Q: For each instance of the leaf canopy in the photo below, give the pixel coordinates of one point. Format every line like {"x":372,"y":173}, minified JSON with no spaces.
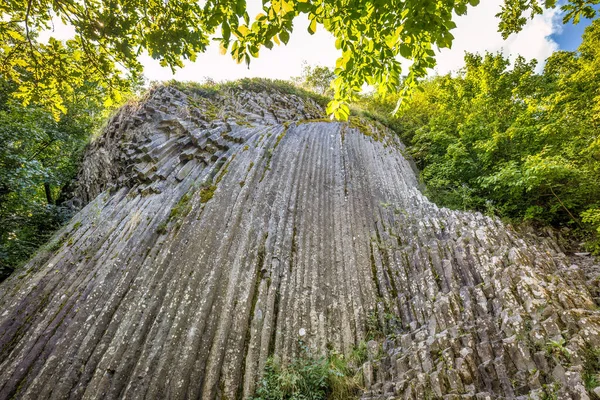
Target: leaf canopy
{"x":110,"y":35}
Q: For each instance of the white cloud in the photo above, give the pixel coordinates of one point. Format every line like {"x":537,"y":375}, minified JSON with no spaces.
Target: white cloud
{"x":477,"y":32}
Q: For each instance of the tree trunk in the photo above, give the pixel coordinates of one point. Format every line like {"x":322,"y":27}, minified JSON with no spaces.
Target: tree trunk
{"x":48,"y":192}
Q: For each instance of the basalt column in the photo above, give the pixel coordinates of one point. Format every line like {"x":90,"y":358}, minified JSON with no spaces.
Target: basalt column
{"x":216,"y":225}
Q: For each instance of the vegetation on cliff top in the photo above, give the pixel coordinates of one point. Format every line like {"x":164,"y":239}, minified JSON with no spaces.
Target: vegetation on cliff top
{"x":210,"y":88}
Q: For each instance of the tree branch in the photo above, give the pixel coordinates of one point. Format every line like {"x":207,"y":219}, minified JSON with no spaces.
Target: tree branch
{"x":31,"y":47}
{"x":565,"y":207}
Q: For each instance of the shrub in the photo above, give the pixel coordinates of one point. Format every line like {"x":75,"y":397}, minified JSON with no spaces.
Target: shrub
{"x":309,"y":377}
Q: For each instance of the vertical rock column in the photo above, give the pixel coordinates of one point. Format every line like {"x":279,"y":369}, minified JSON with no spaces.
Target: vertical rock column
{"x":217,"y":225}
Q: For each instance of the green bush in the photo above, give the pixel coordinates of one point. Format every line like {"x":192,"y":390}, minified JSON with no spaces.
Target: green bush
{"x":310,"y":377}
{"x":592,"y":217}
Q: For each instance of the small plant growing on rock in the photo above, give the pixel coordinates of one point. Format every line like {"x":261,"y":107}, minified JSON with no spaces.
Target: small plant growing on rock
{"x":207,"y":193}
{"x":359,"y":354}
{"x":374,"y":328}
{"x":161,"y":229}
{"x":180,"y":208}
{"x":557,"y":348}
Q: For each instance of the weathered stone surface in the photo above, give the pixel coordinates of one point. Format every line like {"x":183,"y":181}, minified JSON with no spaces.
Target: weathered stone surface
{"x":218,"y":227}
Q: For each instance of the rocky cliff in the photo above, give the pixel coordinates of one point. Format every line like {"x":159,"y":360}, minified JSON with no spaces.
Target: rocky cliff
{"x":218,"y":224}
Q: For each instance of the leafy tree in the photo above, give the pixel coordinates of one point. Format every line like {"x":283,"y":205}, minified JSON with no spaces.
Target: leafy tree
{"x":110,"y":35}
{"x":38,"y":159}
{"x":50,"y":74}
{"x":503,"y":139}
{"x":315,"y":78}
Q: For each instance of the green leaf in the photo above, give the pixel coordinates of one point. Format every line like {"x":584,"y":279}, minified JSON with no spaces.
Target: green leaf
{"x":225,"y":31}
{"x":240,"y":7}
{"x":287,"y":6}
{"x":342,"y":112}
{"x":461,"y":9}
{"x":284,"y":36}
{"x":243,"y":31}
{"x":331,"y":107}
{"x":312,"y":27}
{"x":15,"y":35}
{"x":405,"y":51}
{"x":222,"y":48}
{"x":304,"y":7}
{"x":338,"y":43}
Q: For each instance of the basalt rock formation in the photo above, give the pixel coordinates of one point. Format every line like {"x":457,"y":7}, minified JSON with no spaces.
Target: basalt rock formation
{"x":217,"y":225}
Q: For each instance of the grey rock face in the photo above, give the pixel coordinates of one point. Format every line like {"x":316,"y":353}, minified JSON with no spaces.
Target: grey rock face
{"x":217,"y":228}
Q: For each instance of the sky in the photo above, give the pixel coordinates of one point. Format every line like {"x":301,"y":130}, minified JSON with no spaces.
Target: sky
{"x":569,"y":38}
{"x":476,"y":32}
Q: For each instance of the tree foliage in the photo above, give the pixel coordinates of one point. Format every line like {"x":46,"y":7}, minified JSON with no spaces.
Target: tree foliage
{"x":505,"y":140}
{"x":39,"y":157}
{"x":316,"y":79}
{"x":111,"y":34}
